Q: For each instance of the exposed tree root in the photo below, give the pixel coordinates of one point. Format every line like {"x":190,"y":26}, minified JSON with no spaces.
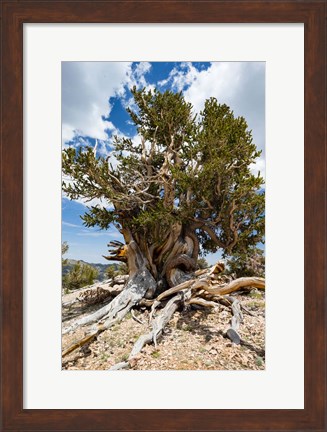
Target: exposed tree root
{"x":203,"y":302}
{"x":135,"y":318}
{"x":73,"y":312}
{"x":193,"y":283}
{"x":115,"y":311}
{"x":203,"y":289}
{"x":204,"y":283}
{"x":86,"y":340}
{"x":238,"y":284}
{"x":237,"y":319}
{"x":158,"y":325}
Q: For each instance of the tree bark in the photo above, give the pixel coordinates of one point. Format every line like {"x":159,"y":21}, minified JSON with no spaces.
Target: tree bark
{"x":158,"y":324}
{"x":139,"y":284}
{"x":157,"y":272}
{"x":237,"y":284}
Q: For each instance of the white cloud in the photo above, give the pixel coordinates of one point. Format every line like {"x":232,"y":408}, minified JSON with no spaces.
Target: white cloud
{"x":93,"y":234}
{"x":71,"y":225}
{"x":219,"y":80}
{"x":67,"y":133}
{"x":136,"y":75}
{"x":104,"y":148}
{"x":182,"y":76}
{"x":141,"y":69}
{"x":86,"y":89}
{"x":95,"y":202}
{"x":240,"y":85}
{"x":112,"y":232}
{"x":259,"y":166}
{"x":114,"y":235}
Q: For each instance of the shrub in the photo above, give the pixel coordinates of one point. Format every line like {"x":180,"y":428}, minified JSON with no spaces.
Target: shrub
{"x":79,"y":276}
{"x":251,"y":263}
{"x":111,"y":271}
{"x":202,"y":263}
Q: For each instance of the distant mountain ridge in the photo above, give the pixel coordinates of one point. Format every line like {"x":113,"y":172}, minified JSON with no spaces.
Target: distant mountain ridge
{"x":101,"y":268}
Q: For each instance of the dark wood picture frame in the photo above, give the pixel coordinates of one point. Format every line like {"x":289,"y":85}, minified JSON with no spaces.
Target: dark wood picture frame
{"x":14,"y":15}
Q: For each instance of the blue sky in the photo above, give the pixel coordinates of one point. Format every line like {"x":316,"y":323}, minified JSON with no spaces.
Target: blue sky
{"x":94,"y":100}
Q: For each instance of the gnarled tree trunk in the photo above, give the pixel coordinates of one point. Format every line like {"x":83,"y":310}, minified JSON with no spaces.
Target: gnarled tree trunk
{"x":170,"y":261}
{"x":157,"y":271}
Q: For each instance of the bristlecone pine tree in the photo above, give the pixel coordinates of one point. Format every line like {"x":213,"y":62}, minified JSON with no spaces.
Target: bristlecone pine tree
{"x":186,"y":185}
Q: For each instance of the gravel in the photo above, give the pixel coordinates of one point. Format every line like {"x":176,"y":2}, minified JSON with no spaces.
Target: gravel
{"x":193,"y":340}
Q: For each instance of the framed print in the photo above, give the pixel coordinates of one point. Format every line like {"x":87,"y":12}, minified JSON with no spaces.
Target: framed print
{"x":160,"y":221}
{"x":58,"y":60}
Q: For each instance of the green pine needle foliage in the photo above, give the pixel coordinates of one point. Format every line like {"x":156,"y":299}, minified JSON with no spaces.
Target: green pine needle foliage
{"x":185,"y":168}
{"x":79,"y":276}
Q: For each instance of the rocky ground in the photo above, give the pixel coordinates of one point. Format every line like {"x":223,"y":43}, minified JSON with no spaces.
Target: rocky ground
{"x":193,"y":340}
